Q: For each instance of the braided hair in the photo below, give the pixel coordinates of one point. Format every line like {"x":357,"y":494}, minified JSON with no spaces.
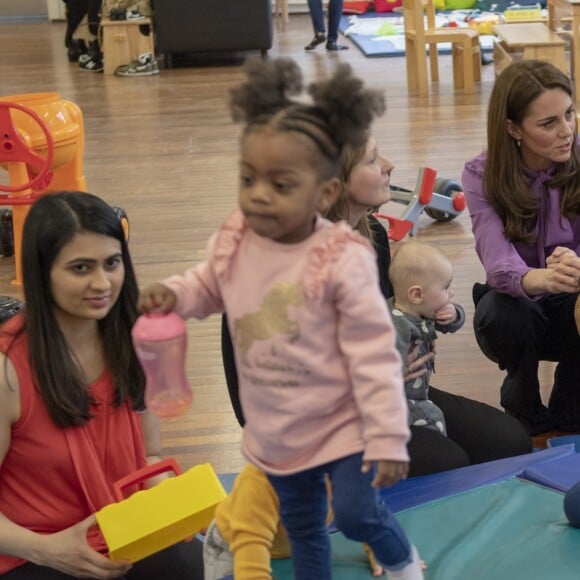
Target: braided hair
{"x":340,"y":112}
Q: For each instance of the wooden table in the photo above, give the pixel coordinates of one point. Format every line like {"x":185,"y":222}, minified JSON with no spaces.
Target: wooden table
{"x":123,"y":41}
{"x":531,"y":41}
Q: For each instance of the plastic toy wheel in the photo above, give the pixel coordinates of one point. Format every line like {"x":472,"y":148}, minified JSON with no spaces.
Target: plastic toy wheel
{"x":446,"y":187}
{"x":6,"y":233}
{"x":13,"y":148}
{"x":124,"y":219}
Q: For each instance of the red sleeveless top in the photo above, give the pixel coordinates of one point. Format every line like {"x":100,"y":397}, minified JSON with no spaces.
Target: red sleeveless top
{"x":53,"y":477}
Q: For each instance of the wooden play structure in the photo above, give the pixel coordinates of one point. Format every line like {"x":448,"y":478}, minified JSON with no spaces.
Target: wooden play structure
{"x":41,"y":148}
{"x":124,"y":40}
{"x":420,"y":31}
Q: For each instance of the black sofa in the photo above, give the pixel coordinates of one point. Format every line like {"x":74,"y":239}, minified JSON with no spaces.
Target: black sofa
{"x":186,"y":26}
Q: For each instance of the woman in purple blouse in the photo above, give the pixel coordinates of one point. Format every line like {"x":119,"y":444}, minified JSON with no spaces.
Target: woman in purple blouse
{"x":523,"y":196}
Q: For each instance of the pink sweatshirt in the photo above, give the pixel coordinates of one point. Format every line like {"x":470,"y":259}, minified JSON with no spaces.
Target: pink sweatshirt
{"x":320,"y":377}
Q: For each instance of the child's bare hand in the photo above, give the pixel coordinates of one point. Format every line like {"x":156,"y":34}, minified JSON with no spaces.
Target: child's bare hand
{"x":157,"y":298}
{"x":388,"y":472}
{"x":446,"y":315}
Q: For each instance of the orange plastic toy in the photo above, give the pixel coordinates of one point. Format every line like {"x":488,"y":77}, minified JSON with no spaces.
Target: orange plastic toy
{"x":42,"y":148}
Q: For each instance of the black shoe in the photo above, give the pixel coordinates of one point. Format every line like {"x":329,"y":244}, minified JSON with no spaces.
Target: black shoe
{"x":486,"y":59}
{"x":75,"y":48}
{"x":333,"y":45}
{"x":319,"y":38}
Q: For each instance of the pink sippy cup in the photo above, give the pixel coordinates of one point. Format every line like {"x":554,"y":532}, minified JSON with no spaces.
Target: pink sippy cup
{"x":160,"y":343}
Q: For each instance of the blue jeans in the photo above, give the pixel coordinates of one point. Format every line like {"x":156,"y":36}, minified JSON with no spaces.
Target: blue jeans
{"x":360,"y":514}
{"x":334,"y":14}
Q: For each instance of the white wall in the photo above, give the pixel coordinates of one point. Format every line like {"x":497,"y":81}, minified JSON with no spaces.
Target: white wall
{"x":23,"y":7}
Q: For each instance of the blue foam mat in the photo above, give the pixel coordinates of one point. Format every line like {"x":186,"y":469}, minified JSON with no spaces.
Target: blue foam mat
{"x":372,"y":45}
{"x":561,"y":473}
{"x":427,"y":488}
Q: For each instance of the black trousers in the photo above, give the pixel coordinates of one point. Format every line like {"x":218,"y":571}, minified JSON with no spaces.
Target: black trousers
{"x":517,"y":334}
{"x":183,"y":561}
{"x":75,"y":12}
{"x":476,"y":433}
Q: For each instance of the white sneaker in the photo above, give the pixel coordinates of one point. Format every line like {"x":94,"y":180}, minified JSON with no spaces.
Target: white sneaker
{"x":218,"y":561}
{"x":144,"y":65}
{"x":412,"y":571}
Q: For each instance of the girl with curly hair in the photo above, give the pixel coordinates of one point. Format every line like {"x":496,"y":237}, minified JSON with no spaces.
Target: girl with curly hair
{"x":320,"y":377}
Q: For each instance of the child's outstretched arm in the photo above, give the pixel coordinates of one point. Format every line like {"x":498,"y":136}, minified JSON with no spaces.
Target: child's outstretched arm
{"x":156,"y":298}
{"x":195,"y":294}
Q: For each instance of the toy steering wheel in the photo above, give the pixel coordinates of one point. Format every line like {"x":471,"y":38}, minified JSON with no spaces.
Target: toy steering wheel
{"x":13,"y":148}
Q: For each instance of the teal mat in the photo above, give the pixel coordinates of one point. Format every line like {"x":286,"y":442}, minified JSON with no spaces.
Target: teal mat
{"x":349,"y":560}
{"x":513,"y":530}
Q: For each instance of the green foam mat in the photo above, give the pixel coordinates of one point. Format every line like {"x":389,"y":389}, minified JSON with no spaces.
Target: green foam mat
{"x":512,"y":530}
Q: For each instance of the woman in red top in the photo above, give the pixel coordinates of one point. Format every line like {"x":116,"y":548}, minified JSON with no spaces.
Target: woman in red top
{"x":72,"y":415}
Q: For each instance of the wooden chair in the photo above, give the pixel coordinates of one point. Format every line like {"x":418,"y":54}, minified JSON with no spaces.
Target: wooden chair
{"x":465,"y":49}
{"x":281,"y":12}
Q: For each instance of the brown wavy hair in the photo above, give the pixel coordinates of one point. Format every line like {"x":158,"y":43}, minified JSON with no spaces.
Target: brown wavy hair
{"x":505,"y":185}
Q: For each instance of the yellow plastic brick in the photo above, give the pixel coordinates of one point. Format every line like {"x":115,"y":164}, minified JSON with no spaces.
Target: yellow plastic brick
{"x":155,"y":518}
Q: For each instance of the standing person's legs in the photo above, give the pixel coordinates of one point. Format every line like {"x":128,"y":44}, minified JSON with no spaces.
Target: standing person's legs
{"x":483,"y":432}
{"x":317,"y":17}
{"x":303,"y":509}
{"x":511,"y":332}
{"x":76,"y":10}
{"x":361,"y":515}
{"x":334,"y":14}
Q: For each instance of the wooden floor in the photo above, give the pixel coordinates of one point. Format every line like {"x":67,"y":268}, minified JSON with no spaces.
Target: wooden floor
{"x":164,"y":149}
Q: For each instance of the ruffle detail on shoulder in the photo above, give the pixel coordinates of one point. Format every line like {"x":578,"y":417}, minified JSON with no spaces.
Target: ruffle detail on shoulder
{"x":227,"y":243}
{"x":477,"y":164}
{"x":322,"y":256}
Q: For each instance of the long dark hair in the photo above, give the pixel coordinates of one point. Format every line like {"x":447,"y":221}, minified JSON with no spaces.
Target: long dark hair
{"x":516,"y":88}
{"x":52,"y":222}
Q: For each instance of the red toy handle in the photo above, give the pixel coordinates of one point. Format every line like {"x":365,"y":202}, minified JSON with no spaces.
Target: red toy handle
{"x":144,"y":474}
{"x":428,"y":176}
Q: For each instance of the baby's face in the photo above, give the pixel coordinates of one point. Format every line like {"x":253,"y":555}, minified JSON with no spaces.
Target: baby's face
{"x":437,"y":288}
